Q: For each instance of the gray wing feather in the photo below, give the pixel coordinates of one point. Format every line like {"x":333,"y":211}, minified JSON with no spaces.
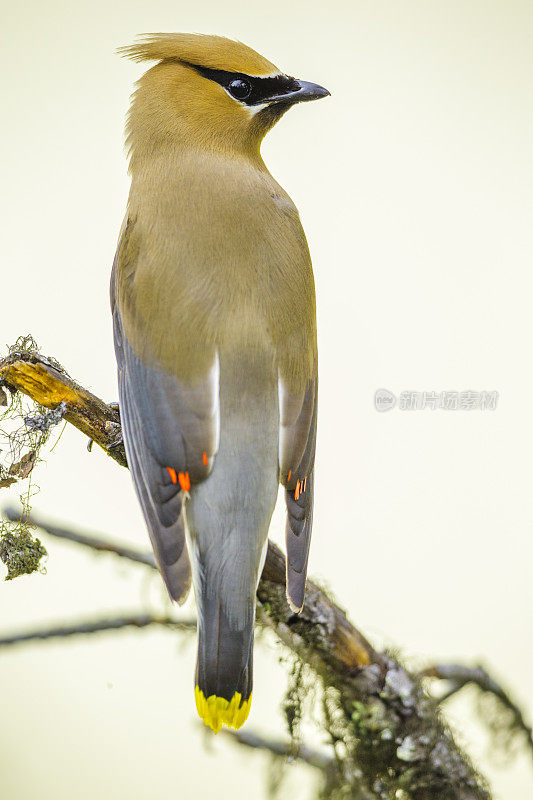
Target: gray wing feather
{"x":160,"y":502}
{"x":298,"y":539}
{"x":165,"y":425}
{"x":180,"y":422}
{"x":298,"y":418}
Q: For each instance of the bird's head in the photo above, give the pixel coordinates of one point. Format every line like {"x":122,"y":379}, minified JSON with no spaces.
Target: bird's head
{"x":207,"y":92}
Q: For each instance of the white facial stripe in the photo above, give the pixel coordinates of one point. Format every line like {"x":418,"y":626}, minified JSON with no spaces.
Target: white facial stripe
{"x":253,"y":110}
{"x":266,"y":75}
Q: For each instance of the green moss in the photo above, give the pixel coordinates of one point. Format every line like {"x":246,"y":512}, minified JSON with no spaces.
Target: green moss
{"x":21,"y":553}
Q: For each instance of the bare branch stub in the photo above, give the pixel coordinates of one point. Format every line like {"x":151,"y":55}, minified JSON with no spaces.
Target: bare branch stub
{"x":44,"y":381}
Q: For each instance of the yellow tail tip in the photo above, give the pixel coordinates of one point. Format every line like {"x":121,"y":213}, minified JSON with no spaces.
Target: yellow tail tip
{"x":217,"y":711}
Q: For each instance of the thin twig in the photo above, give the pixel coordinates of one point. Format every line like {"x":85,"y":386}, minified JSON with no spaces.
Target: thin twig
{"x":460,"y":676}
{"x":290,"y":750}
{"x":96,"y":626}
{"x":91,"y":541}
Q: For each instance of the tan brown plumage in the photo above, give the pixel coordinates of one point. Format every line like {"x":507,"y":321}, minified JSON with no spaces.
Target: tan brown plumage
{"x":214,"y":314}
{"x":194,"y":48}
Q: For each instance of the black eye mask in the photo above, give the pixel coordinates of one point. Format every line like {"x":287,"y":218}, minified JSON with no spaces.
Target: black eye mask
{"x":250,"y":90}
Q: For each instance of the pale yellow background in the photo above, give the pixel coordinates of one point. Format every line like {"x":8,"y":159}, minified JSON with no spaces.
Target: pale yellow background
{"x":414,"y":182}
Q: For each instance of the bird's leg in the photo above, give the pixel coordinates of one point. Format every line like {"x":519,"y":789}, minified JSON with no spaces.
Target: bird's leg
{"x":113,"y":429}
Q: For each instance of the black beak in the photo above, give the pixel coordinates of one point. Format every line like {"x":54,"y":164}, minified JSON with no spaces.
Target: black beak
{"x":306,"y":91}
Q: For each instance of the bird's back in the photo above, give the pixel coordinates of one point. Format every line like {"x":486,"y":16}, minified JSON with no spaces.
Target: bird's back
{"x":219,"y":256}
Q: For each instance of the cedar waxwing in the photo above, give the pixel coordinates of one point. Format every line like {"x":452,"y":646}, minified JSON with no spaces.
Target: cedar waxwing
{"x":215,"y":337}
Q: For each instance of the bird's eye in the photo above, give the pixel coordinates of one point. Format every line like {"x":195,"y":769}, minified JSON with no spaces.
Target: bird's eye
{"x":240,"y":89}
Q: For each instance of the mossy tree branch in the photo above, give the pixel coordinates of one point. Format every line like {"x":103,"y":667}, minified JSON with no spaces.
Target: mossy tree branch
{"x":388,"y":735}
{"x":45,"y":381}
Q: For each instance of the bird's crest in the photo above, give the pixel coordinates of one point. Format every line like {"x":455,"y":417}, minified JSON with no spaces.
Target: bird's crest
{"x":214,"y":52}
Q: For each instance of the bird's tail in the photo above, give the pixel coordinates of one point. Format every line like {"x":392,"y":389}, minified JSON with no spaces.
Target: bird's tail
{"x":224,"y":666}
{"x":228,"y":517}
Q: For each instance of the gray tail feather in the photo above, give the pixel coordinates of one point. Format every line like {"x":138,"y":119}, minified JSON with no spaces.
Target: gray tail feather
{"x":225,"y":655}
